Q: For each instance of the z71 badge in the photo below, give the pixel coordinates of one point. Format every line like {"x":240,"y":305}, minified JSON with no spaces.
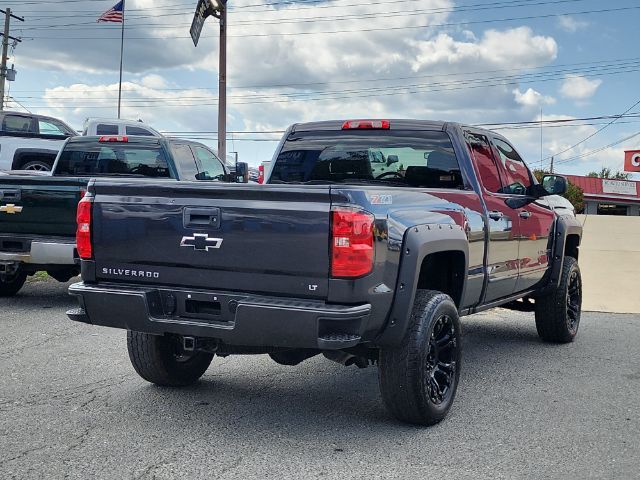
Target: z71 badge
{"x":381,"y":199}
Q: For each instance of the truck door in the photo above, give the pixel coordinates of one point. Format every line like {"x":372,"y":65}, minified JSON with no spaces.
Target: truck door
{"x":502,"y":221}
{"x":535,"y":218}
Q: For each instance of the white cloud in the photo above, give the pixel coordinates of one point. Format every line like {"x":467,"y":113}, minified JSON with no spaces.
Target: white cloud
{"x":532,"y":98}
{"x":515,"y":47}
{"x":571,"y":24}
{"x":578,"y":87}
{"x":160,"y":108}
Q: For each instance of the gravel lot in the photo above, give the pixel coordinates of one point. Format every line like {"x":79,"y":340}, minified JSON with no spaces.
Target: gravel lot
{"x":71,"y":406}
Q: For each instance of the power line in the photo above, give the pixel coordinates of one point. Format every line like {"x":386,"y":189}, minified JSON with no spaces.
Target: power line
{"x":348,"y":94}
{"x":615,"y":119}
{"x":379,"y":29}
{"x":588,"y":65}
{"x":324,"y":18}
{"x":598,"y":150}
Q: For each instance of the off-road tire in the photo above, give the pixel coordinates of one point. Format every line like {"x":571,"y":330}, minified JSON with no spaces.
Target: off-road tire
{"x":558,"y":313}
{"x":155,"y":359}
{"x":10,"y":286}
{"x":405,"y":370}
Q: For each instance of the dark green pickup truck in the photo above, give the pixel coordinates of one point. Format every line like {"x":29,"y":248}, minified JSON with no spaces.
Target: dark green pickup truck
{"x":38,"y":210}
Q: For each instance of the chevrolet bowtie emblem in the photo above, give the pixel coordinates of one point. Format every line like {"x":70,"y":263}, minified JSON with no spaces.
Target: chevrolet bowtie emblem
{"x":10,"y":208}
{"x":201,"y":241}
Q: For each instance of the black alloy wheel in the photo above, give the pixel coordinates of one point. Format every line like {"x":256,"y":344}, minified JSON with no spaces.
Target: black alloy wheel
{"x":574,"y":300}
{"x":440,"y":368}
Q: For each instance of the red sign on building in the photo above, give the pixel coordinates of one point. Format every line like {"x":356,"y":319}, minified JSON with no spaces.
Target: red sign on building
{"x":632,"y":161}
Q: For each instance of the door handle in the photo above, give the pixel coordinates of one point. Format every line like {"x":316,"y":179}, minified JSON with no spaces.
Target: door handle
{"x":524,"y":214}
{"x":496,"y":215}
{"x":201,"y":217}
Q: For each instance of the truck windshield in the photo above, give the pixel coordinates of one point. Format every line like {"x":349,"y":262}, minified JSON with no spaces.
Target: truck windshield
{"x":91,"y":159}
{"x":401,"y":158}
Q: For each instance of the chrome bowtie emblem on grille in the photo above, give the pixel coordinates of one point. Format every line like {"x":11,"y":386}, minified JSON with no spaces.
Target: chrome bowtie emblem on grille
{"x":201,"y":241}
{"x":10,"y":208}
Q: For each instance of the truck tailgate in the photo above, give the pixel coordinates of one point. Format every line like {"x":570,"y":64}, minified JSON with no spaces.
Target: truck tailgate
{"x":259,"y":239}
{"x":39,"y":205}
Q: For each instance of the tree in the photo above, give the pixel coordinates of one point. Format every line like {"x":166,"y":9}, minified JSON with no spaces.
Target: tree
{"x":574,"y":193}
{"x":605,"y":172}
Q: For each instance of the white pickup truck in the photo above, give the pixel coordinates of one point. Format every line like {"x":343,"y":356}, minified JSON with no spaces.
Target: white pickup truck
{"x":30,"y":142}
{"x":111,"y":126}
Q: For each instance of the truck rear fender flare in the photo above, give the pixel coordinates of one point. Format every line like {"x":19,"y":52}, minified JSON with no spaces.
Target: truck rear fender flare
{"x":566,"y":241}
{"x":421,"y":241}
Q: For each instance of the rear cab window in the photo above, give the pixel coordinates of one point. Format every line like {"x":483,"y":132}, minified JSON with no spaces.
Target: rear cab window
{"x":408,"y":158}
{"x":113,"y":159}
{"x":106,"y":129}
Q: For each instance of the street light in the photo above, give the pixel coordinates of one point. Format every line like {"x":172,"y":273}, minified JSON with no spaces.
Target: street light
{"x":218,"y":9}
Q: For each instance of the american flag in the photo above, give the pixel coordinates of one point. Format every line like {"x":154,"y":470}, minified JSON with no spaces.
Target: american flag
{"x":114,"y":14}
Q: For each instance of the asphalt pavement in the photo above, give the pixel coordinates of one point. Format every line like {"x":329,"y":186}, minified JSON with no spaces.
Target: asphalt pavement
{"x":71,"y":406}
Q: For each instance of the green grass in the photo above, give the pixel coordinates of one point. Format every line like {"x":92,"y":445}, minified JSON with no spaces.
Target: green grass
{"x":39,"y":277}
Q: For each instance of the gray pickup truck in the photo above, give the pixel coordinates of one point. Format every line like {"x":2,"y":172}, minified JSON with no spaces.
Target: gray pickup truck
{"x":380,"y":235}
{"x":38,"y":211}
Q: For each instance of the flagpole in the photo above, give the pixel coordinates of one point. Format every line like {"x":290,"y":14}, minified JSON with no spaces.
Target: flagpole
{"x":121,"y":53}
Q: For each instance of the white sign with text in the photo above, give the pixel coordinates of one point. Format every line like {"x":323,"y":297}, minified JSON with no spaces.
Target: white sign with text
{"x":619,"y":187}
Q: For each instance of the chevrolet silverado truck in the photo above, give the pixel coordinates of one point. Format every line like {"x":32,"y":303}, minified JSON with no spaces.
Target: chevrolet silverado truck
{"x":38,"y":211}
{"x":364,"y":268}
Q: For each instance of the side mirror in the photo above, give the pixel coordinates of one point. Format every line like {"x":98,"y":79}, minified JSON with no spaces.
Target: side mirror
{"x":391,"y":159}
{"x":554,"y":184}
{"x":242,"y":172}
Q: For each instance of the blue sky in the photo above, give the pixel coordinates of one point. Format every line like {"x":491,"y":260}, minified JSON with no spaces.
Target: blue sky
{"x":459,"y":60}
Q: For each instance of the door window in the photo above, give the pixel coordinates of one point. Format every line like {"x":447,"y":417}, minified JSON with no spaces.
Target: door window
{"x":486,"y":165}
{"x":138,"y":131}
{"x":17,"y":124}
{"x":517,"y":176}
{"x":50,"y":128}
{"x":185,"y":162}
{"x":210,"y":167}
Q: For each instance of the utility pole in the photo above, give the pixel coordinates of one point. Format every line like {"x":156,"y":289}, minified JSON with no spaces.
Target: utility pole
{"x":218,"y":9}
{"x":551,"y":165}
{"x":222,"y":87}
{"x":5,"y":47}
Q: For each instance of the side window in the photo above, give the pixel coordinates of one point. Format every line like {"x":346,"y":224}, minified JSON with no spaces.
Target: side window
{"x":185,"y":162}
{"x":106,"y":129}
{"x":49,"y":128}
{"x":211,"y":167}
{"x":17,"y":124}
{"x":486,"y":165}
{"x":138,"y":131}
{"x":517,"y":176}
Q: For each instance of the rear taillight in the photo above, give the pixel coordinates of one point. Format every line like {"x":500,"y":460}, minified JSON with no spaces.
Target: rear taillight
{"x":366,"y":124}
{"x":83,"y":232}
{"x":261,"y":174}
{"x":351,"y":243}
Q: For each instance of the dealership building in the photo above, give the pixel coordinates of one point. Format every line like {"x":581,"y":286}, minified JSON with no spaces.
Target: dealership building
{"x":603,"y":196}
